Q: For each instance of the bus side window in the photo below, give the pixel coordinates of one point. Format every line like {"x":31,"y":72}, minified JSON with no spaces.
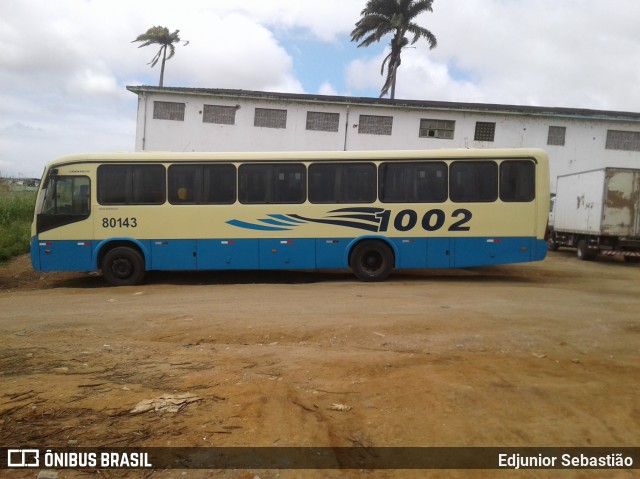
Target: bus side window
{"x":323,"y":183}
{"x":342,"y":183}
{"x":182,"y":184}
{"x":289,"y":184}
{"x":517,"y":181}
{"x":219,"y":184}
{"x":272,"y":183}
{"x":148,"y":184}
{"x":431,"y":182}
{"x":254,"y":182}
{"x":473,"y":181}
{"x":131,"y":184}
{"x":358,"y":183}
{"x":416,"y":182}
{"x":113,"y":184}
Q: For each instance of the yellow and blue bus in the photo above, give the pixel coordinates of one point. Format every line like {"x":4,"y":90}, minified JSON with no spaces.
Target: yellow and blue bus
{"x":370,"y":212}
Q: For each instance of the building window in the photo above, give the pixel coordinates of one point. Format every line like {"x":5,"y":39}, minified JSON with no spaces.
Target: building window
{"x":168,"y":110}
{"x":375,"y":125}
{"x":270,"y":118}
{"x":623,"y":140}
{"x":556,"y":135}
{"x":222,"y":115}
{"x":319,"y":121}
{"x":437,"y":129}
{"x":485,"y":131}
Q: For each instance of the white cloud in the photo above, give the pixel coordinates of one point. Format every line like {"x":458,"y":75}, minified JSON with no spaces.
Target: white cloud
{"x":327,"y":89}
{"x":238,"y":53}
{"x":574,"y":53}
{"x":325,"y":19}
{"x":66,"y":78}
{"x":365,"y":73}
{"x":419,"y":78}
{"x":578,"y":53}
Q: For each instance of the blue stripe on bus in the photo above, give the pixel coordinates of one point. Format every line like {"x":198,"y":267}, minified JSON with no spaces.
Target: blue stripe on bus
{"x":290,"y":253}
{"x":270,"y":221}
{"x":251,"y":226}
{"x":287,"y":219}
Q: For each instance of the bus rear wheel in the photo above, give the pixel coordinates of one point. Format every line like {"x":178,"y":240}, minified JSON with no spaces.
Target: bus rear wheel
{"x":123,"y":266}
{"x":371,"y":261}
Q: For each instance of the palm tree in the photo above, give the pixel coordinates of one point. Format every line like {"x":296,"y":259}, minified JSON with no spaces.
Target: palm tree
{"x":160,"y":36}
{"x":380,"y":17}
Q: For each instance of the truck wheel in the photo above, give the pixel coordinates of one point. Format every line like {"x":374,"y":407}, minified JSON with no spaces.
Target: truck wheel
{"x":552,"y":245}
{"x":584,"y":253}
{"x":371,"y":260}
{"x":123,"y":266}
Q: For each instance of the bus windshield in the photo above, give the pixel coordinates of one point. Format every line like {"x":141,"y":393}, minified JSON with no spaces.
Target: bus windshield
{"x":66,"y":200}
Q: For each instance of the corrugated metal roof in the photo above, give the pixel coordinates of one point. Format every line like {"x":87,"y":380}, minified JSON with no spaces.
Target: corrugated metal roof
{"x":398,"y":103}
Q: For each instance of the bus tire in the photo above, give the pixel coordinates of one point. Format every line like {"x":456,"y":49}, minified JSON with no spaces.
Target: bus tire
{"x":123,"y":266}
{"x":371,"y":260}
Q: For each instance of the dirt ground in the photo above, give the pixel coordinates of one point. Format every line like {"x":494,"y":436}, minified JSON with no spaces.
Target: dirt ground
{"x":541,"y":354}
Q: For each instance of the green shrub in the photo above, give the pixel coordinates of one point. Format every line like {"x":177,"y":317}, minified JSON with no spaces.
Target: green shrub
{"x":16,"y":214}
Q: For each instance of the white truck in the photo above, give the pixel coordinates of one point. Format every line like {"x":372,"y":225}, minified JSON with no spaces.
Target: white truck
{"x":597,"y":212}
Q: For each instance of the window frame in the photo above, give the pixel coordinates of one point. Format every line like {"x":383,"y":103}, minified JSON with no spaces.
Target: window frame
{"x":217,"y":114}
{"x":377,"y":125}
{"x":623,"y":140}
{"x":485,"y":131}
{"x":161,"y":114}
{"x":330,"y":123}
{"x":436,"y":127}
{"x":556,"y":135}
{"x":261,"y":120}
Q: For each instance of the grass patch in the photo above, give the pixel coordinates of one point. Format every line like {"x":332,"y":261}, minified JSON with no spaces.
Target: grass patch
{"x":16,"y":214}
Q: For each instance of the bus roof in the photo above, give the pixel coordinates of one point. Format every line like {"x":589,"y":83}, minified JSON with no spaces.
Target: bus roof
{"x":232,"y":156}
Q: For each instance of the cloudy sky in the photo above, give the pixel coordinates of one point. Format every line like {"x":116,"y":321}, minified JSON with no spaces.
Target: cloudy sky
{"x":64,"y":64}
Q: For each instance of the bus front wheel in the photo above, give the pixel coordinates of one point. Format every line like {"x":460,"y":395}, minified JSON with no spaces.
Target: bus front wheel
{"x":372,"y":260}
{"x":123,"y":266}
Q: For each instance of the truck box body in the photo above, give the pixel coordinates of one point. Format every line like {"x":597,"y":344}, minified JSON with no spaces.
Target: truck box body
{"x":603,"y":202}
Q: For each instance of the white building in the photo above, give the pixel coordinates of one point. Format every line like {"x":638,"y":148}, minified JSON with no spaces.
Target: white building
{"x":195,"y":119}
